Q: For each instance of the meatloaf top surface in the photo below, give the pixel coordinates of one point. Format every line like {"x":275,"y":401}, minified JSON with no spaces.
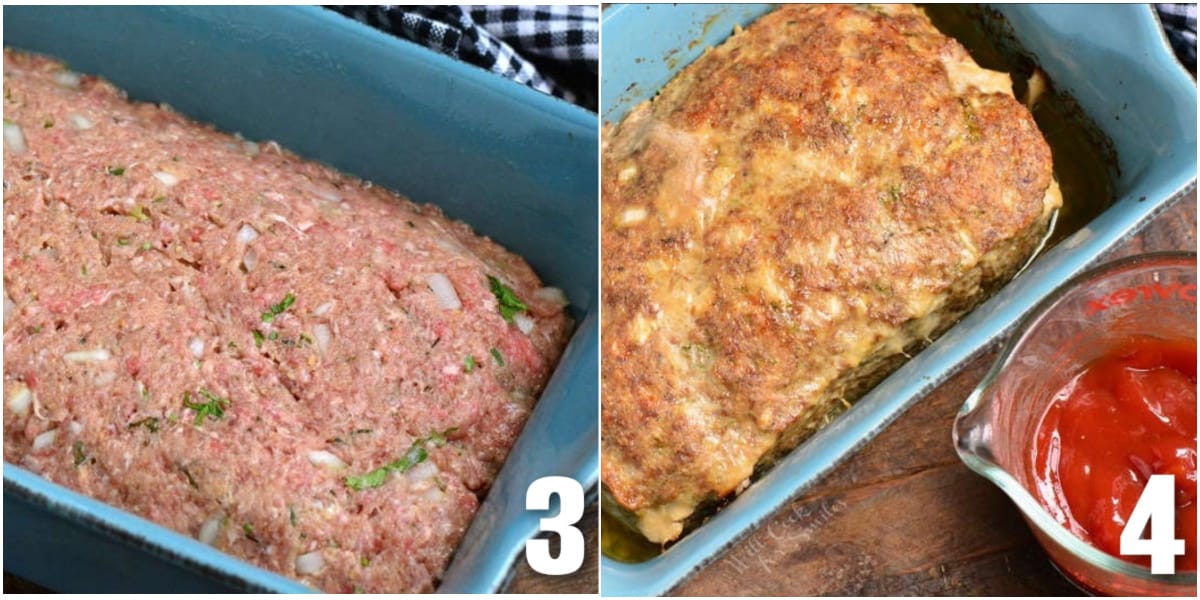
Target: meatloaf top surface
{"x":246,"y":347}
{"x":775,"y":215}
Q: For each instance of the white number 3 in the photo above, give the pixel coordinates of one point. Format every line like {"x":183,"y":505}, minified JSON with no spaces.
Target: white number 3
{"x":1156,"y":506}
{"x":570,"y":500}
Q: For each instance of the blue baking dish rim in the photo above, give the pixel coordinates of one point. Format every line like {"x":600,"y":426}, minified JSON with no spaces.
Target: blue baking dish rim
{"x":136,"y":531}
{"x":580,"y":382}
{"x":806,"y":465}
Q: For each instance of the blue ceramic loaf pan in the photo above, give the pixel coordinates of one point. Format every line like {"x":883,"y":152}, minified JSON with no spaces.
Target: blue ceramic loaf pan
{"x":517,"y":165}
{"x":1113,"y":59}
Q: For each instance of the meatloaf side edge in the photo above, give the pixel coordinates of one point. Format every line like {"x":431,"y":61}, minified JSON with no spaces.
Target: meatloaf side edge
{"x":298,"y":368}
{"x":803,"y":204}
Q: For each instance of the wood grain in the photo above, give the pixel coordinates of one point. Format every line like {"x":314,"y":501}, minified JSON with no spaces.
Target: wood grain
{"x":585,"y":581}
{"x":903,"y":516}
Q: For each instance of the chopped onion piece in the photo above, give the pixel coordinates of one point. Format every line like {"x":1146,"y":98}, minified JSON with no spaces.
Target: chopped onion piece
{"x":250,"y":260}
{"x":80,"y":122}
{"x":323,"y":336}
{"x":251,"y":148}
{"x":15,"y":138}
{"x":282,"y":219}
{"x":44,"y":440}
{"x":524,"y":322}
{"x":521,"y":398}
{"x":247,"y":234}
{"x":20,"y":398}
{"x":75,"y":427}
{"x":632,"y":215}
{"x":324,"y":458}
{"x":552,"y":294}
{"x":209,"y":530}
{"x":1035,"y":87}
{"x":68,"y":79}
{"x":9,"y":307}
{"x":443,"y":289}
{"x":307,"y":564}
{"x":423,"y":472}
{"x":83,"y":356}
{"x":322,"y":309}
{"x":329,"y":196}
{"x":105,"y":378}
{"x":166,"y":178}
{"x":196,"y":345}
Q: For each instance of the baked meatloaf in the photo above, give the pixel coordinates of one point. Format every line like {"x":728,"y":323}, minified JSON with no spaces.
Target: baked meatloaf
{"x":298,"y":368}
{"x":826,"y":189}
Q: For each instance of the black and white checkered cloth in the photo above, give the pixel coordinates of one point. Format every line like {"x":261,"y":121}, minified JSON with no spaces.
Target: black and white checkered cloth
{"x":552,"y":49}
{"x":1179,"y":20}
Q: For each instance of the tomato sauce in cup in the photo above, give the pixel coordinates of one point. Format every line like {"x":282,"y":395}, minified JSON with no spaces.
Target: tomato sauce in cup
{"x":1091,"y":399}
{"x":1126,"y":416}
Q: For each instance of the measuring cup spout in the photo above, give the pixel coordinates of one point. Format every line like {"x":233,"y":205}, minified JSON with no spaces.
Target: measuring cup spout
{"x":973,"y":428}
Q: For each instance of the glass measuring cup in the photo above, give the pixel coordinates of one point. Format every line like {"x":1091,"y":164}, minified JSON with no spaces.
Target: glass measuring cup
{"x":1150,"y":294}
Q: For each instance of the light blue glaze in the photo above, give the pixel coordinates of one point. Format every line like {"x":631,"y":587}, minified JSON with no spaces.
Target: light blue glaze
{"x":1113,"y":59}
{"x":517,"y":165}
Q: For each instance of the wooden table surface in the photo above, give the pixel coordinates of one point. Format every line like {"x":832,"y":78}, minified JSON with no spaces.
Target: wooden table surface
{"x":903,"y":516}
{"x":585,"y":581}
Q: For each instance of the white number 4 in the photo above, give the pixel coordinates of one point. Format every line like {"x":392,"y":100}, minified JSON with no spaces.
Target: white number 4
{"x":1156,"y":507}
{"x":570,"y":501}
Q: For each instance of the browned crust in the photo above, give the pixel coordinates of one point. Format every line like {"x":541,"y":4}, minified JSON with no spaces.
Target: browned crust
{"x":830,"y":153}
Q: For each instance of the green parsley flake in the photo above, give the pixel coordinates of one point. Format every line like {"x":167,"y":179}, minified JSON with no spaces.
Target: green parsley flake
{"x":123,"y":242}
{"x":438,"y":438}
{"x":258,"y":338}
{"x":248,"y":529}
{"x":146,"y":245}
{"x":510,"y":304}
{"x":150,"y":423}
{"x":188,"y":474}
{"x":469,"y":363}
{"x":277,"y":309}
{"x":48,"y":124}
{"x":80,"y":457}
{"x":416,"y":455}
{"x":139,"y":214}
{"x":499,"y":357}
{"x":365,"y":561}
{"x":116,"y":171}
{"x":214,"y":408}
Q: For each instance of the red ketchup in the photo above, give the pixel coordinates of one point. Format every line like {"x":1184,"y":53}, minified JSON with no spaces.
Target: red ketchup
{"x":1127,"y":416}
